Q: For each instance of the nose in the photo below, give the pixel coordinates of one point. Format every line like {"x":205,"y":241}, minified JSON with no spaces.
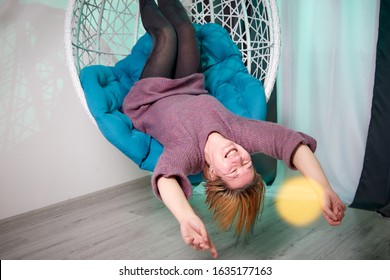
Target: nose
{"x":238,"y":160}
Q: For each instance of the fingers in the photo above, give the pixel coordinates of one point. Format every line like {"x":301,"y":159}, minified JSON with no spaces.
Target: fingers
{"x":331,"y":221}
{"x":210,"y":244}
{"x":336,"y":216}
{"x":340,"y":211}
{"x":328,"y":213}
{"x":202,"y":243}
{"x":195,"y":235}
{"x":205,"y":246}
{"x":213,"y":251}
{"x":333,"y":209}
{"x":197,"y":244}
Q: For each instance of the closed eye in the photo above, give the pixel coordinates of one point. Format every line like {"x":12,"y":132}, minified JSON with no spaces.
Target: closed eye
{"x":233,"y":171}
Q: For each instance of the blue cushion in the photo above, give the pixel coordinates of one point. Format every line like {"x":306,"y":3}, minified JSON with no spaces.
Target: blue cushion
{"x":226,"y":78}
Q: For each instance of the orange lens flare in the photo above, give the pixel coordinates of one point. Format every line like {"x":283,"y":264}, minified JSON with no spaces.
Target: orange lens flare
{"x":298,"y":201}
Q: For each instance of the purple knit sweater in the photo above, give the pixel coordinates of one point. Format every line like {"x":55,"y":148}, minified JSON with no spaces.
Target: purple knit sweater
{"x":180,"y":114}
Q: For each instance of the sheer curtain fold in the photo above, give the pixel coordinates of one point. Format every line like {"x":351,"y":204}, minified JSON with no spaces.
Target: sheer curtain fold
{"x":325,"y":81}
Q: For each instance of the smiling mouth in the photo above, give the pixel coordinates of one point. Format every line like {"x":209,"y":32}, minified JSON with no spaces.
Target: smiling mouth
{"x":231,"y":152}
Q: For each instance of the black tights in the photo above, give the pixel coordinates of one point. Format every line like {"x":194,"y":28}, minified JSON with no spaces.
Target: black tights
{"x":175,"y":52}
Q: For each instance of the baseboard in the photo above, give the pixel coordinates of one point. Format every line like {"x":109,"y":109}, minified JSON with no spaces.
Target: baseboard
{"x":50,"y":210}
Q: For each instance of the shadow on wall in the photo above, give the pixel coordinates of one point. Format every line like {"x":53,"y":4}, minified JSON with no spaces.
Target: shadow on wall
{"x":31,"y":71}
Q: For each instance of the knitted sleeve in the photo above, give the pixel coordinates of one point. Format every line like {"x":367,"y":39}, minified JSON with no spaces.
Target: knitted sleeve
{"x":173,"y":163}
{"x":271,"y":139}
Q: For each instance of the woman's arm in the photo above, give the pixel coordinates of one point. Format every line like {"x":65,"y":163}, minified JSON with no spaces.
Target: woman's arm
{"x":191,"y":226}
{"x":305,"y":161}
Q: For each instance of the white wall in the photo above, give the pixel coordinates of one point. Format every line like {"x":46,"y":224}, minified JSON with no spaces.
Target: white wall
{"x":49,"y":149}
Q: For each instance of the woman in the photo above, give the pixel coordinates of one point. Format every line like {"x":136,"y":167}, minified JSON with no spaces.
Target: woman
{"x":170,"y":103}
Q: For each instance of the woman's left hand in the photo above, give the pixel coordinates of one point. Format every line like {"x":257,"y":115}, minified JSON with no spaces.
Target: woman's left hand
{"x":333,"y":208}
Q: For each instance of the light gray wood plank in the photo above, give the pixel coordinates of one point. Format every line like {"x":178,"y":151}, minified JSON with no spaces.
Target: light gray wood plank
{"x":128,"y":222}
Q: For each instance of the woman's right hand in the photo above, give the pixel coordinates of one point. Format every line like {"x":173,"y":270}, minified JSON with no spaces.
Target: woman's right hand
{"x":194,"y":234}
{"x":192,"y":228}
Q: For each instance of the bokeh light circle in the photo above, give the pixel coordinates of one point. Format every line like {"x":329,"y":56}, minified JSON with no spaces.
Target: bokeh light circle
{"x":298,"y":201}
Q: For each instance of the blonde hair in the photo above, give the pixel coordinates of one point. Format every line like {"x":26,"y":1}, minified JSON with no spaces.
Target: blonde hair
{"x":242,"y":206}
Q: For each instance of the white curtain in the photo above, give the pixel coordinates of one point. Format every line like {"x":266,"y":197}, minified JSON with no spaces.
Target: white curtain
{"x":325,"y":81}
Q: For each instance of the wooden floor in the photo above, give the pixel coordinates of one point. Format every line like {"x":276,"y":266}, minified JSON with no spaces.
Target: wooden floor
{"x":128,"y":222}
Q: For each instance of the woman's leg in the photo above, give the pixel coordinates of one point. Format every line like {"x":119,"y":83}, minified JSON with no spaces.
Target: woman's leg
{"x":188,"y":57}
{"x":162,"y":59}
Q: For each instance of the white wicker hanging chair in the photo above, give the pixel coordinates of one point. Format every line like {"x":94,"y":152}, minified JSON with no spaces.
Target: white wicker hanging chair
{"x":103,"y":32}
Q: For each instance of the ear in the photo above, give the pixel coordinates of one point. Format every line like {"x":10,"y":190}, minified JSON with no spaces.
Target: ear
{"x":211,"y":173}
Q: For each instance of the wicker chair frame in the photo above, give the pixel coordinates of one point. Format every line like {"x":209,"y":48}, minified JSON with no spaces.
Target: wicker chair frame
{"x":104,"y":31}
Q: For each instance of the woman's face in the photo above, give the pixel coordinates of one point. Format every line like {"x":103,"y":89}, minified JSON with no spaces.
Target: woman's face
{"x":232,"y":163}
